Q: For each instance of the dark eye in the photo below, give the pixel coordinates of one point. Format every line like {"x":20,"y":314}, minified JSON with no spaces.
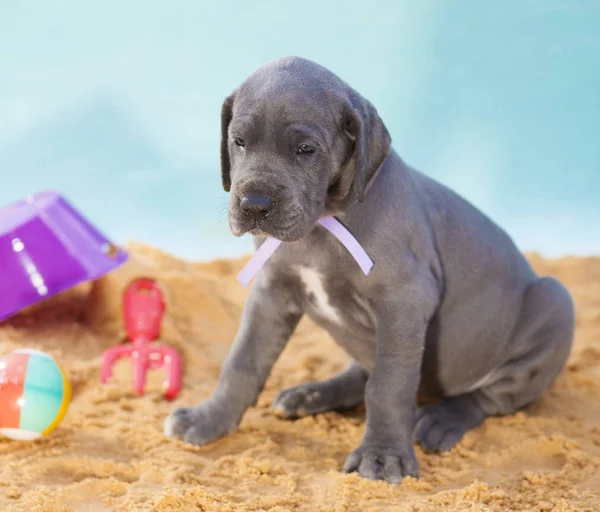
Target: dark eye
{"x":239,"y":143}
{"x":305,"y":149}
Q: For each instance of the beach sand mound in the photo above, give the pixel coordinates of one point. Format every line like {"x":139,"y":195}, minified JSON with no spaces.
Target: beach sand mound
{"x":110,"y":453}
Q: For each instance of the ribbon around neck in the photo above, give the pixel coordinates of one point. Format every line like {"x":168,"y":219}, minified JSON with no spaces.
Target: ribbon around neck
{"x":334,"y":226}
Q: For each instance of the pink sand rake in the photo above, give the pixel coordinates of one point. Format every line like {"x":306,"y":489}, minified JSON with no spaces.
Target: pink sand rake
{"x":143,"y":309}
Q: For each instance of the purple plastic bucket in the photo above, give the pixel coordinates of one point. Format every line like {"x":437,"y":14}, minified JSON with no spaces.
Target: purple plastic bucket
{"x":46,"y":247}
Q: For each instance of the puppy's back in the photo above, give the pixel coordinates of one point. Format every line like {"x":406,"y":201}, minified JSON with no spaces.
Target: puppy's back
{"x":467,"y":238}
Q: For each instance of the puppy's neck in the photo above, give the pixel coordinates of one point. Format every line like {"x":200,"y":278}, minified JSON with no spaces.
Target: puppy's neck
{"x":339,"y":207}
{"x":377,"y":172}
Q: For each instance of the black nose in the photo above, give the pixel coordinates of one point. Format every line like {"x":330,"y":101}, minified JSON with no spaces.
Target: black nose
{"x":257,"y":206}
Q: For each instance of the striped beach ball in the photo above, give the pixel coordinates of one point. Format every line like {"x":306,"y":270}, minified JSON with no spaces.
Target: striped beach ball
{"x":34,"y":392}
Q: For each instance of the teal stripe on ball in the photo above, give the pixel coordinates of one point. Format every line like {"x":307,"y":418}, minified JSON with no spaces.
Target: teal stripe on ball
{"x":42,"y":394}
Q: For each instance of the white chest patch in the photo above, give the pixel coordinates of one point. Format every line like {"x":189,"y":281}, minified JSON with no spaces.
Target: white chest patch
{"x":313,"y":283}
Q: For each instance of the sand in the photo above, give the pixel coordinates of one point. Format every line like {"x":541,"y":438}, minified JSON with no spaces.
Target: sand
{"x":110,"y":454}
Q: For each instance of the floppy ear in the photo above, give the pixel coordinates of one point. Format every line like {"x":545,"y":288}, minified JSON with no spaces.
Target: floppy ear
{"x":371,"y":144}
{"x":226,"y":116}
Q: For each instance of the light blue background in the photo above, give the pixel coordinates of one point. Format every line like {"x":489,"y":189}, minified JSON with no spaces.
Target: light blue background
{"x":116,"y":104}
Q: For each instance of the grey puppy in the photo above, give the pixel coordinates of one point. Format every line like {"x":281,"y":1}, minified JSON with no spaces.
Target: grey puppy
{"x":450,"y":310}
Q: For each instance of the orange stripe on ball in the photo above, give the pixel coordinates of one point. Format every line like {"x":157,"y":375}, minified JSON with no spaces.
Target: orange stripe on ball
{"x":13,"y":369}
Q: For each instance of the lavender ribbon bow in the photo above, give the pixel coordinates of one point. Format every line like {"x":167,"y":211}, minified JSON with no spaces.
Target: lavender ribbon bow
{"x":334,"y":226}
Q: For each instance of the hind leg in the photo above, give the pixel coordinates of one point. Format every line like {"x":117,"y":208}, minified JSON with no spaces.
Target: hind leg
{"x":541,"y":344}
{"x":343,"y":390}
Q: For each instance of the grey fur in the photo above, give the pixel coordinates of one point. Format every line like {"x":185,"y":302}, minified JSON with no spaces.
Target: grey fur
{"x":451,"y":308}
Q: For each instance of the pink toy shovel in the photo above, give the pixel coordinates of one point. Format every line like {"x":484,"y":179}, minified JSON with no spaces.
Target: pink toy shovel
{"x":143,"y":308}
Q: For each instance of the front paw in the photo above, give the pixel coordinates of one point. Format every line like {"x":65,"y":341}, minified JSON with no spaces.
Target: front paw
{"x":200,"y":424}
{"x":300,"y":401}
{"x":387,"y":462}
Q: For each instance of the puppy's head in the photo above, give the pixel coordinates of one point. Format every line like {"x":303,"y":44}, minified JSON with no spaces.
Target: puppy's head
{"x":297,"y":143}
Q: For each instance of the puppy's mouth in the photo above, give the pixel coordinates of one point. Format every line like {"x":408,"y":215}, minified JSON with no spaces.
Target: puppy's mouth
{"x":285,"y":233}
{"x":257,"y":231}
{"x":287,"y":228}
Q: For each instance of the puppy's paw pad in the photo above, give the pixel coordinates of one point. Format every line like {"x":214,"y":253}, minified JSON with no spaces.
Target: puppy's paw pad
{"x":200,"y":424}
{"x":439,"y":428}
{"x":179,"y":422}
{"x":377,"y":463}
{"x":297,"y":402}
{"x":199,"y":436}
